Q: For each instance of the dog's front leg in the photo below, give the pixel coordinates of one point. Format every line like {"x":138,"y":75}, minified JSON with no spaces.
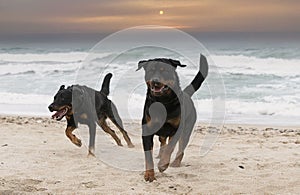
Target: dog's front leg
{"x":148,"y":150}
{"x":92,"y":131}
{"x":70,"y":128}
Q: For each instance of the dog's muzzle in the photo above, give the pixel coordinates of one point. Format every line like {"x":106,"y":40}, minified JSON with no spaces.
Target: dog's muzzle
{"x":157,"y":87}
{"x":60,"y":113}
{"x":51,"y":108}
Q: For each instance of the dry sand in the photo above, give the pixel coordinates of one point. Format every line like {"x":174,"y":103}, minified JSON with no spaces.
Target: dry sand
{"x":36,"y":157}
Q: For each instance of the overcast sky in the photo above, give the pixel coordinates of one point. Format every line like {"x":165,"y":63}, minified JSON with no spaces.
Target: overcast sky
{"x":96,"y":16}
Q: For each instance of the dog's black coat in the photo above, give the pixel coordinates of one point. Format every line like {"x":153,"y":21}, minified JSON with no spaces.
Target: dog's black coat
{"x":81,"y":104}
{"x":168,"y":112}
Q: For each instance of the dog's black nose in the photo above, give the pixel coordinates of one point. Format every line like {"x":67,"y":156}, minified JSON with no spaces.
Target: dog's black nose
{"x":50,"y":107}
{"x":155,"y":81}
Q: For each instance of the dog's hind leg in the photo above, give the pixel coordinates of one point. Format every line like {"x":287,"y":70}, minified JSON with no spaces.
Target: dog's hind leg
{"x":182,"y":143}
{"x":102,"y":123}
{"x":114,"y":116}
{"x":179,"y":155}
{"x":165,"y":157}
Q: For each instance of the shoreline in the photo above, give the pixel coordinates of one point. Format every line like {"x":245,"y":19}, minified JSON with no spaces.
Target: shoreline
{"x":225,"y":124}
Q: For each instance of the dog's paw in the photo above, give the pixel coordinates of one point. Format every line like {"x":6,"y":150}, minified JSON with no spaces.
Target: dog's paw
{"x":162,"y":168}
{"x":130,"y":145}
{"x":91,"y":154}
{"x":77,"y":142}
{"x":175,"y":163}
{"x":164,"y":162}
{"x":149,"y":175}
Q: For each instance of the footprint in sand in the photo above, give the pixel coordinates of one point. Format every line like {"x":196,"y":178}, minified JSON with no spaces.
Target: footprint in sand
{"x":19,"y":186}
{"x":89,"y":184}
{"x":186,"y":176}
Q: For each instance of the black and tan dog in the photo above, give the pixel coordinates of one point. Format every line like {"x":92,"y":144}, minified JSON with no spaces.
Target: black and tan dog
{"x":169,"y":112}
{"x":81,"y":104}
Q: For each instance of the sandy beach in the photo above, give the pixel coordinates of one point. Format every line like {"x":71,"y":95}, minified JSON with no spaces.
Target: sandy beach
{"x":36,"y":157}
{"x":236,"y":62}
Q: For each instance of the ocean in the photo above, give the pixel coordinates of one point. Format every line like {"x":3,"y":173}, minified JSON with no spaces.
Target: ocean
{"x":260,"y":75}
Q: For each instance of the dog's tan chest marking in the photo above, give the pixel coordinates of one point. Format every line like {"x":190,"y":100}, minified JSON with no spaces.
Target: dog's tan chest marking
{"x":83,"y":116}
{"x":149,"y":121}
{"x":174,"y":121}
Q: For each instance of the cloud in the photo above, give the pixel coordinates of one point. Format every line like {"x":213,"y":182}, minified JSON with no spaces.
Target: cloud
{"x":42,"y":16}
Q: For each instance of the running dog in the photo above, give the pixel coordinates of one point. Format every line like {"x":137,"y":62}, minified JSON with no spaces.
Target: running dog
{"x":169,"y":112}
{"x":81,"y":104}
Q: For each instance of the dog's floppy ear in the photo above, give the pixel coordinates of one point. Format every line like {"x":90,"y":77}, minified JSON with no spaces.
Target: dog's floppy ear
{"x":62,"y":87}
{"x":176,"y":63}
{"x":141,"y":64}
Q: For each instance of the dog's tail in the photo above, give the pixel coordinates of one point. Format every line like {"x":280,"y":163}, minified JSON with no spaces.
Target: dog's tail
{"x":105,"y":84}
{"x":199,"y":78}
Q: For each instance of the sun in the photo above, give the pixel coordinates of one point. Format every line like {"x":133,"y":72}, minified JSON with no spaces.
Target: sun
{"x":161,"y":12}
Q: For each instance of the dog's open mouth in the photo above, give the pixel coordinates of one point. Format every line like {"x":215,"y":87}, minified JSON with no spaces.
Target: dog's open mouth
{"x":60,"y":113}
{"x":157,"y":89}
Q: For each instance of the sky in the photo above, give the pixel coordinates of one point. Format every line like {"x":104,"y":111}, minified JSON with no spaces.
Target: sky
{"x":102,"y":16}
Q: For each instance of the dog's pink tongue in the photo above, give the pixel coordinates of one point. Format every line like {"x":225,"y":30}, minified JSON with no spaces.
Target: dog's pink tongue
{"x":58,"y":114}
{"x":157,"y":89}
{"x":55,"y":114}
